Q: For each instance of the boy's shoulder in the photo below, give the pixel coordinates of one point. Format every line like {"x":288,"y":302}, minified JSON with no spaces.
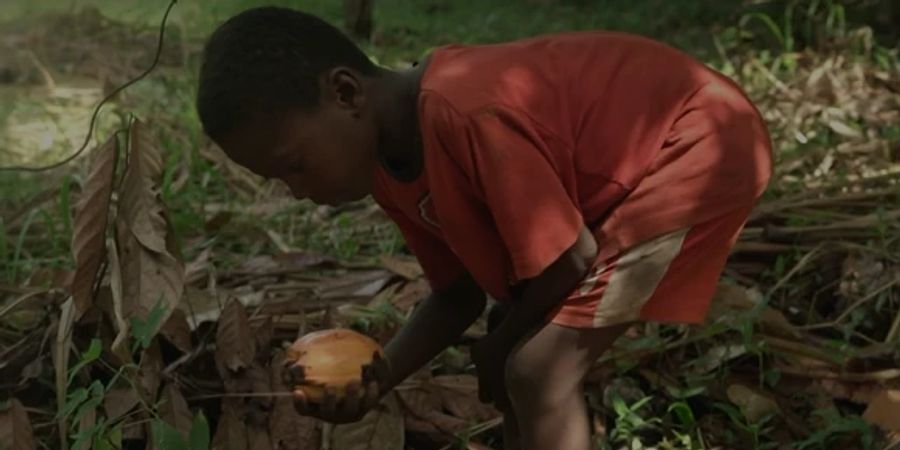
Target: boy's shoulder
{"x":535,"y":72}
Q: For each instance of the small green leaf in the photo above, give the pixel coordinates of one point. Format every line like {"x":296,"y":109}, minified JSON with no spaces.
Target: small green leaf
{"x":143,"y":330}
{"x":74,"y":399}
{"x":90,"y":355}
{"x":683,"y":412}
{"x":199,"y":435}
{"x":166,"y":437}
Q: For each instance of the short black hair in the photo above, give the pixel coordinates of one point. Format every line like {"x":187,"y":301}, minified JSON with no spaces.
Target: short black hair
{"x":268,"y":60}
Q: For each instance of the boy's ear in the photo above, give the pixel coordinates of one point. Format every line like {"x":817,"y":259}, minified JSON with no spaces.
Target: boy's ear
{"x":344,"y":86}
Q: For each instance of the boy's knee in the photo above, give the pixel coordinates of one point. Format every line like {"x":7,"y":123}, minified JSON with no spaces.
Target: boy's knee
{"x":529,"y":382}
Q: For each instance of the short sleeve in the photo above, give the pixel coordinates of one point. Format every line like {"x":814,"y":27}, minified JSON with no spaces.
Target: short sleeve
{"x":512,"y":168}
{"x":441,"y":266}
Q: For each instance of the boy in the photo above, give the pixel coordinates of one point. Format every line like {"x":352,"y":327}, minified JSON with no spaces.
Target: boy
{"x":584,"y":180}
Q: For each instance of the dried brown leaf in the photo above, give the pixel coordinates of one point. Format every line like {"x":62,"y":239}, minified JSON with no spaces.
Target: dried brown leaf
{"x":258,"y":439}
{"x":424,"y":413}
{"x":357,"y":284}
{"x":119,"y":401}
{"x":235,"y":346}
{"x":884,"y":410}
{"x":381,"y":429}
{"x":174,"y":409}
{"x":61,"y":360}
{"x":151,"y":271}
{"x":264,"y":333}
{"x":151,"y":368}
{"x":407,"y":268}
{"x":89,"y":226}
{"x":411,"y":294}
{"x":231,"y":433}
{"x":753,"y":404}
{"x":177,"y":331}
{"x":459,"y":394}
{"x":15,"y":428}
{"x":120,"y":343}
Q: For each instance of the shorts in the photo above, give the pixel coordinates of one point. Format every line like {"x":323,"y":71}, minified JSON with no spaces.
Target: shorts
{"x":670,"y":278}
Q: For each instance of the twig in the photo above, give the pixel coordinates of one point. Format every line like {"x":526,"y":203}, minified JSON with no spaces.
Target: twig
{"x":858,"y":377}
{"x":895,"y":329}
{"x":852,"y":307}
{"x":800,"y":265}
{"x":6,"y":309}
{"x":239,"y":395}
{"x":48,"y":80}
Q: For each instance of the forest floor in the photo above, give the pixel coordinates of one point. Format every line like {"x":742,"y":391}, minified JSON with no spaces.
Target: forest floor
{"x":148,"y":288}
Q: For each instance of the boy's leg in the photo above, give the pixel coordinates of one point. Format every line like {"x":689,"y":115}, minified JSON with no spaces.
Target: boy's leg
{"x":511,"y":440}
{"x":544,"y":380}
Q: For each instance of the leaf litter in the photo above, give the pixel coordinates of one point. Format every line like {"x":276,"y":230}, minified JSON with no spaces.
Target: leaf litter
{"x":806,"y":320}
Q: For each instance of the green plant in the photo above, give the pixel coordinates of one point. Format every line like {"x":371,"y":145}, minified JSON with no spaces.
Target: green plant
{"x":756,"y":430}
{"x":838,"y":426}
{"x":105,"y":434}
{"x":629,"y":421}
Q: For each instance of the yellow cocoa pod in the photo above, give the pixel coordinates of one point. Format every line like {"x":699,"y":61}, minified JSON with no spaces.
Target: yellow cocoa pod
{"x":331,"y":358}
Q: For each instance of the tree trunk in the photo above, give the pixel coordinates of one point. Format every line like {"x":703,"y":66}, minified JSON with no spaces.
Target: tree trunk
{"x":358,"y":18}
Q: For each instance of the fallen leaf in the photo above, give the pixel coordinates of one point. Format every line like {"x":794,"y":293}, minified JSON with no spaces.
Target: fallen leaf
{"x":424,"y":414}
{"x":151,"y":368}
{"x":174,"y":409}
{"x":716,"y":356}
{"x":264,"y":333}
{"x":410,"y":294}
{"x":357,"y":284}
{"x":753,"y":404}
{"x":380,"y":429}
{"x":258,"y":439}
{"x":459,"y":394}
{"x":407,"y":268}
{"x":152,"y":274}
{"x":235,"y":346}
{"x":61,"y":352}
{"x":15,"y":428}
{"x":177,"y":331}
{"x":884,"y":410}
{"x":860,"y":393}
{"x":843,"y":129}
{"x":197,"y":270}
{"x":118,"y":402}
{"x":231,"y":433}
{"x":119,"y":345}
{"x":90,"y":224}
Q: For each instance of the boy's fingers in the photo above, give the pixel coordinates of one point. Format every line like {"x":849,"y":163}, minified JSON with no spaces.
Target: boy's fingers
{"x":381,"y":368}
{"x":372,"y":394}
{"x":297,"y":373}
{"x":350,"y":404}
{"x":329,"y":403}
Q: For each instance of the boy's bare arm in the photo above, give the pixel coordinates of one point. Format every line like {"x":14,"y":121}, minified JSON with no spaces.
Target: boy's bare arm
{"x":528,"y":313}
{"x":435,"y":324}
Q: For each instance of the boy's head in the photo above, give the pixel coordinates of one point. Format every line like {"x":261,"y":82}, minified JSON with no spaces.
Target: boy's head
{"x":285,"y":95}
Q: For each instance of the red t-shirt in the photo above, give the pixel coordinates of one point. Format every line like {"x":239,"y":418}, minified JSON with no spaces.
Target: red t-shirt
{"x":527,"y":142}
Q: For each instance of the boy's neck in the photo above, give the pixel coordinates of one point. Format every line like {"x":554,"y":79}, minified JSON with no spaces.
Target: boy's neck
{"x":396,"y":108}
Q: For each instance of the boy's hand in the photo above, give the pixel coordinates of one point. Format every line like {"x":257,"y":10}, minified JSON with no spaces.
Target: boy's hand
{"x":489,"y":356}
{"x":358,"y":400}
